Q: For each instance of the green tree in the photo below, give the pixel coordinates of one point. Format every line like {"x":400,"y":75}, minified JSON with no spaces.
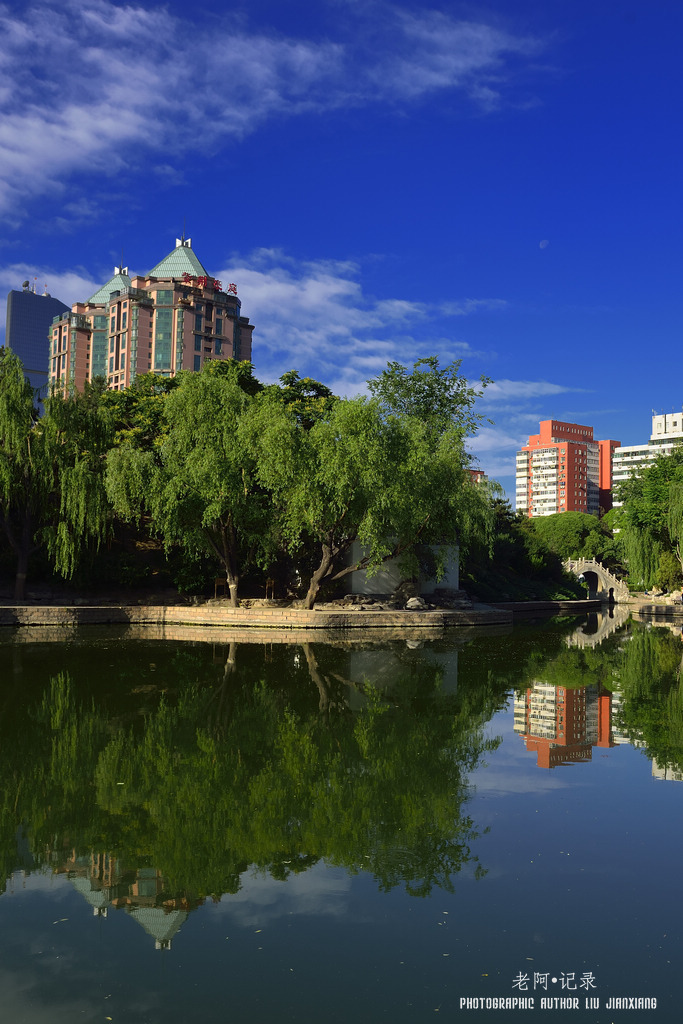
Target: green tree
{"x":518,"y":564}
{"x":575,"y":535}
{"x":308,"y":399}
{"x":385,"y":472}
{"x":21,"y":497}
{"x":51,"y":473}
{"x":650,"y":518}
{"x":198,"y":489}
{"x":439,"y":397}
{"x":669,"y":575}
{"x":138,"y":410}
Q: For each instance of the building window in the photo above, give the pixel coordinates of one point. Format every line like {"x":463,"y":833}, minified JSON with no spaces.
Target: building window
{"x":218,"y":347}
{"x":198,"y":322}
{"x":197,"y":343}
{"x":197,"y":362}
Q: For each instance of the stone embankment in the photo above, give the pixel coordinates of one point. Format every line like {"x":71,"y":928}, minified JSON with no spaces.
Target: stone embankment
{"x":531,"y":608}
{"x":263,"y":617}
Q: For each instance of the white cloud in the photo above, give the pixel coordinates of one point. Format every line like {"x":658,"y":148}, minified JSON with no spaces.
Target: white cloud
{"x":315,"y":317}
{"x":503,"y":782}
{"x":508,"y":403}
{"x":525,"y":389}
{"x":261,"y":900}
{"x":441,"y":52}
{"x":468,"y":306}
{"x":99,"y":86}
{"x":490,"y":439}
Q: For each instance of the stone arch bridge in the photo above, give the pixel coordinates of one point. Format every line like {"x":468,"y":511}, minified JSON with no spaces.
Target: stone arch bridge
{"x":602,"y":584}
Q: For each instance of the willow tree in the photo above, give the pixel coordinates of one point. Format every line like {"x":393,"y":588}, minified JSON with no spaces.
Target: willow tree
{"x":78,"y":433}
{"x":650,"y":518}
{"x":197,"y":489}
{"x":21,"y":497}
{"x":51,"y":474}
{"x":385,"y":472}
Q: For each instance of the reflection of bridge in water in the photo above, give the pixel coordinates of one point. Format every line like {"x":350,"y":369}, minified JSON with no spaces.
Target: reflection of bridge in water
{"x":602,"y":584}
{"x":598,"y":627}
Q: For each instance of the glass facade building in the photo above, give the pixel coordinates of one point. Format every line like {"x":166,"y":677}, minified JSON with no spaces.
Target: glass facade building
{"x":29,"y":319}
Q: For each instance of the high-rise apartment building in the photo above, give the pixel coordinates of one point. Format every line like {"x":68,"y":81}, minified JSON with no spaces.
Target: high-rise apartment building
{"x":29,"y":317}
{"x":667,"y":433}
{"x":563,"y":469}
{"x":175,"y":317}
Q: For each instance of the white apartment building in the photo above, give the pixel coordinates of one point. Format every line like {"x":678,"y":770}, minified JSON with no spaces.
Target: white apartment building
{"x":667,"y":432}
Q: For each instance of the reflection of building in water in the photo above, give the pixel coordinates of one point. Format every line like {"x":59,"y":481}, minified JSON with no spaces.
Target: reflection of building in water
{"x":563,"y":725}
{"x":666,"y":772}
{"x":618,"y":737}
{"x":141,"y":892}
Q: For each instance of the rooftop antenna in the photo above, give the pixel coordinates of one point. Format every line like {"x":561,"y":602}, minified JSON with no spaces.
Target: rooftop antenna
{"x":121,"y":269}
{"x":183,"y":241}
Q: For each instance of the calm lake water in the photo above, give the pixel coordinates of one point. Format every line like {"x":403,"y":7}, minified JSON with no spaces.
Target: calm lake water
{"x":394,"y":830}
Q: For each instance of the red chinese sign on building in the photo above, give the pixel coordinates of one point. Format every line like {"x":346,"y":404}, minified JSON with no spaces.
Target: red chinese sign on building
{"x":206,"y":282}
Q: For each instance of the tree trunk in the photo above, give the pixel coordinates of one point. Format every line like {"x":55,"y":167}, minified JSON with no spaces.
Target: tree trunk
{"x":318,"y":576}
{"x":23,"y":549}
{"x":224,"y":543}
{"x":324,"y":694}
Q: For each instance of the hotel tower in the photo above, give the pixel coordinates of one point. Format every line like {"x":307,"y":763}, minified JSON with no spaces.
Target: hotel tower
{"x":175,"y":317}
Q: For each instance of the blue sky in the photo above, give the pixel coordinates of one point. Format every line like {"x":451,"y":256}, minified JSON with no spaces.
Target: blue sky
{"x":498,"y":183}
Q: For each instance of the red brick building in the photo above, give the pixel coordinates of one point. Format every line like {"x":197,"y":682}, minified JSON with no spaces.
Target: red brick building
{"x":563,"y":469}
{"x":563,"y":725}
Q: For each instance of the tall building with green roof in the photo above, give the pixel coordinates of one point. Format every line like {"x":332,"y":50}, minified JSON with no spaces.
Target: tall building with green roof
{"x":181,"y":260}
{"x":118,"y":283}
{"x":175,"y":317}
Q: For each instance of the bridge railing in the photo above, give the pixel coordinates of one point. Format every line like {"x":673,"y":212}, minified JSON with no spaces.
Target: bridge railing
{"x":581,"y":565}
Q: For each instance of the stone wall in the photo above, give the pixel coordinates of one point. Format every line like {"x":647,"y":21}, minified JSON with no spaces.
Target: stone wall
{"x":263,"y":617}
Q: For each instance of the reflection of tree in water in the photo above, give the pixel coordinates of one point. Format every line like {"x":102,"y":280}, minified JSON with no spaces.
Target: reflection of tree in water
{"x":643,"y":666}
{"x":650,"y":685}
{"x":215,"y":778}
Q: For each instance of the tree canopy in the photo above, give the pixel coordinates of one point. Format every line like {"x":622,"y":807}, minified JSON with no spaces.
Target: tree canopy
{"x":650,"y":520}
{"x":218,"y":466}
{"x":199,"y":487}
{"x":51,"y":473}
{"x":387,"y":472}
{"x":576,"y":535}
